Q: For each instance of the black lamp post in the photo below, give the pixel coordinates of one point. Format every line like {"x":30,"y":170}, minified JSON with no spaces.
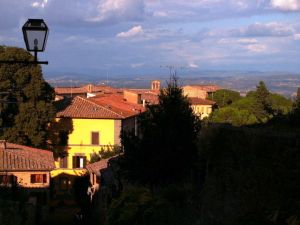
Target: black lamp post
{"x":35,"y":32}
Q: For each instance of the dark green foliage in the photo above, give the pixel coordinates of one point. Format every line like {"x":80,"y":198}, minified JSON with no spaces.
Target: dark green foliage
{"x":105,"y":153}
{"x":295,"y":114}
{"x":225,"y":97}
{"x":263,"y":104}
{"x":251,"y":176}
{"x":297,"y":102}
{"x":166,"y":150}
{"x":139,"y":206}
{"x":280,"y":105}
{"x":234,"y":116}
{"x":58,"y":135}
{"x":26,"y":107}
{"x":257,"y":107}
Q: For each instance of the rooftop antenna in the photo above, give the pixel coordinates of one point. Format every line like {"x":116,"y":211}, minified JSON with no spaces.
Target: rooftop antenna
{"x":107,"y":78}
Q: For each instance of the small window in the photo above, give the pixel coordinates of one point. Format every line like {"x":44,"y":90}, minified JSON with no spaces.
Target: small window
{"x":7,"y":179}
{"x":38,"y":178}
{"x":95,"y":138}
{"x":79,"y":162}
{"x":63,"y":162}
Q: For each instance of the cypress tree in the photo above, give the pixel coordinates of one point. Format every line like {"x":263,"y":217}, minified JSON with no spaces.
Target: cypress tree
{"x":165,"y":151}
{"x":26,"y":105}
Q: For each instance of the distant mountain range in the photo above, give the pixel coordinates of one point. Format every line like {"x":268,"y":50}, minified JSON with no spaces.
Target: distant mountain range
{"x":280,"y":82}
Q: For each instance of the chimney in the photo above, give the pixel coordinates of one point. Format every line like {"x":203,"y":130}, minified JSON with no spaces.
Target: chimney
{"x":3,"y":144}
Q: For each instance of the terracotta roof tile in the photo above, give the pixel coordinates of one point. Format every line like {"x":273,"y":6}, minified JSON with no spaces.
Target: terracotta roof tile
{"x":97,"y":166}
{"x":117,"y":104}
{"x":23,"y":158}
{"x":111,"y":106}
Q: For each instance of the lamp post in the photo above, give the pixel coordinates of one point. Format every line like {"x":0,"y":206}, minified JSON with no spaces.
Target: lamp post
{"x":35,"y":32}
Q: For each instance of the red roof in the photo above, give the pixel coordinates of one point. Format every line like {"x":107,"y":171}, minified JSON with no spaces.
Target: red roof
{"x":200,"y":101}
{"x":97,"y":166}
{"x":111,"y":106}
{"x":117,"y":104}
{"x":23,"y":158}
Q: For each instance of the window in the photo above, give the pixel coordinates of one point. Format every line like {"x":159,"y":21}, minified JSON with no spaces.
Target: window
{"x":79,"y":161}
{"x":95,"y":138}
{"x":7,"y":179}
{"x":63,"y":162}
{"x":38,"y":178}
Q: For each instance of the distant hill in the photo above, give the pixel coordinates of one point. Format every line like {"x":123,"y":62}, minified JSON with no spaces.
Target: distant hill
{"x":280,"y":82}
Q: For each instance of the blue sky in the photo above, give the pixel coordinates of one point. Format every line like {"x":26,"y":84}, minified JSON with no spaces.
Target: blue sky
{"x":138,"y":36}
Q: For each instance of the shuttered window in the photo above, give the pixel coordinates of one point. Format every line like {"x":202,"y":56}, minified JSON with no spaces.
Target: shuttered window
{"x":95,"y":138}
{"x":38,"y":178}
{"x":79,"y":162}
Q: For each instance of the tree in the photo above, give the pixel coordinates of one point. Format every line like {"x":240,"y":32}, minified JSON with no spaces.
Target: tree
{"x":225,"y":97}
{"x":234,"y":116}
{"x":280,"y":105}
{"x":263,"y":109}
{"x":165,"y":151}
{"x":26,"y":107}
{"x":297,"y":101}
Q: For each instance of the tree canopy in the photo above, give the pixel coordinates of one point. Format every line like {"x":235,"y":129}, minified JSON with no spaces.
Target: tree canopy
{"x":258,"y":106}
{"x":224,"y":97}
{"x":26,"y":105}
{"x":165,"y":151}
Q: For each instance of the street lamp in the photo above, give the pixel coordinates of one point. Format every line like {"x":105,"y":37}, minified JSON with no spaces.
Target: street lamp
{"x":35,"y":32}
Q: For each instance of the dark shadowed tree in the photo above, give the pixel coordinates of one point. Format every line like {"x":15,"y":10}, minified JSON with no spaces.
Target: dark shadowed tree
{"x":165,"y":150}
{"x":26,"y":105}
{"x":297,"y":101}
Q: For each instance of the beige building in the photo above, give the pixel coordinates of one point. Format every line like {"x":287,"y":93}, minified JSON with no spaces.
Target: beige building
{"x":26,"y":167}
{"x":202,"y":107}
{"x":199,"y":91}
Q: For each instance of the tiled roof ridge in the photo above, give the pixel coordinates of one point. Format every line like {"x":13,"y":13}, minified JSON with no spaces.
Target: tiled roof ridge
{"x":94,"y":103}
{"x":22,"y":147}
{"x":25,"y":159}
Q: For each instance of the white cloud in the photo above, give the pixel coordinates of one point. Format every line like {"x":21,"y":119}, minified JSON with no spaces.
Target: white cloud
{"x":118,"y":10}
{"x":286,"y":5}
{"x":274,"y":29}
{"x":297,"y":37}
{"x":135,"y":31}
{"x":39,"y":4}
{"x":137,"y":65}
{"x":193,"y":65}
{"x":258,"y":48}
{"x":247,"y":41}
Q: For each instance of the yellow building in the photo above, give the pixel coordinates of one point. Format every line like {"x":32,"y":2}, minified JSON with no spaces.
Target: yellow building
{"x":201,"y":107}
{"x":93,"y":124}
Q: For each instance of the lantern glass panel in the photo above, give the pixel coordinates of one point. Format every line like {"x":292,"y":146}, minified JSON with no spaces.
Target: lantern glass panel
{"x":36,"y":39}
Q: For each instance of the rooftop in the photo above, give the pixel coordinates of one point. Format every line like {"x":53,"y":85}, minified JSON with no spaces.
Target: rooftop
{"x":16,"y":157}
{"x":111,"y":106}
